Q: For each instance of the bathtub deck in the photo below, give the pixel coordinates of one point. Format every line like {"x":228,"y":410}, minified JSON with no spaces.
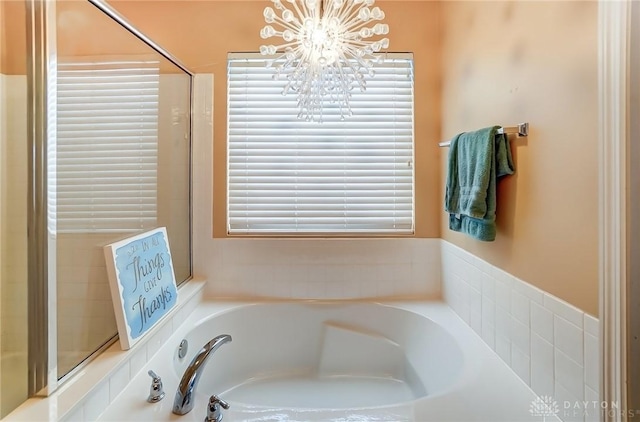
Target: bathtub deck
{"x":488,"y":391}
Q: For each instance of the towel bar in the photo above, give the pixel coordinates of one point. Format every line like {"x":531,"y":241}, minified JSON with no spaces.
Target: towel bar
{"x":522,"y":130}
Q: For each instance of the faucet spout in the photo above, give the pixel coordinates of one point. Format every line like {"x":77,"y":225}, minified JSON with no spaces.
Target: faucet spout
{"x":183,"y":403}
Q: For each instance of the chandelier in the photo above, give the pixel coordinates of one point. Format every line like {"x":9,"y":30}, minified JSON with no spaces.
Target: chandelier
{"x":328,"y":48}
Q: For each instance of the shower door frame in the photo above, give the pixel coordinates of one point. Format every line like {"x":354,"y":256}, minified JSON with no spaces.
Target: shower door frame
{"x":41,"y":296}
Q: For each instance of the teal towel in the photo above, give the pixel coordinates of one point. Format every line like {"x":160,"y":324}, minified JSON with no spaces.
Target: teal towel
{"x":476,"y":160}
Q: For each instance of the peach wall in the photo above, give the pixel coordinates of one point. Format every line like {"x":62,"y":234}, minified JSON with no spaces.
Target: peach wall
{"x":13,"y":38}
{"x":201,"y":33}
{"x":3,"y":48}
{"x":84,"y":31}
{"x":509,"y":62}
{"x":103,"y":36}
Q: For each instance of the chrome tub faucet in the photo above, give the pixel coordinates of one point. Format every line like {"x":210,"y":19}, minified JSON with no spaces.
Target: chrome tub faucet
{"x":184,"y":401}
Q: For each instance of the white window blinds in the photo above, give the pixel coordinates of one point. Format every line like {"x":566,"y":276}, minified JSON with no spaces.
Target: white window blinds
{"x":350,"y":176}
{"x":107,"y":146}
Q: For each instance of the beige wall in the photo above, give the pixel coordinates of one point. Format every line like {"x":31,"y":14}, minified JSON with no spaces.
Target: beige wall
{"x":509,"y":62}
{"x":201,"y":33}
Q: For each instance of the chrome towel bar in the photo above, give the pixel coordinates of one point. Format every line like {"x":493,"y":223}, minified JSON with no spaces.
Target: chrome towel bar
{"x":522,"y":130}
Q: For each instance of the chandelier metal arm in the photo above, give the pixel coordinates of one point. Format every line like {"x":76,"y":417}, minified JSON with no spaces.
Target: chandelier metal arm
{"x":295,"y":26}
{"x":301,"y":15}
{"x":347,"y":11}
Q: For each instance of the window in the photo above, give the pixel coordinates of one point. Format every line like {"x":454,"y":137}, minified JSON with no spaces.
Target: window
{"x":107,"y":146}
{"x":290,"y":176}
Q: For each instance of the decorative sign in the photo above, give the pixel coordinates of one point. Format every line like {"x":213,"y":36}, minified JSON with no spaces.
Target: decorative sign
{"x":143,"y":285}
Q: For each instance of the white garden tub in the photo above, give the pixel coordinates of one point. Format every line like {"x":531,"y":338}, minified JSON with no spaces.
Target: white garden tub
{"x":334,"y":361}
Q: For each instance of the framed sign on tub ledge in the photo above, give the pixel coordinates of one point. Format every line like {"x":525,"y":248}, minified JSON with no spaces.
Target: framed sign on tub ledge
{"x":143,"y":284}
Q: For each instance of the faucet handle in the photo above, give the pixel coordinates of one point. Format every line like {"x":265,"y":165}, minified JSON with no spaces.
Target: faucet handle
{"x":215,"y":399}
{"x":156,"y":391}
{"x":214,"y":414}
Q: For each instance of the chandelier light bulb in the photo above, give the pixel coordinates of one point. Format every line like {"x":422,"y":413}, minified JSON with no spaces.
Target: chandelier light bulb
{"x":269,"y":15}
{"x":327,"y":49}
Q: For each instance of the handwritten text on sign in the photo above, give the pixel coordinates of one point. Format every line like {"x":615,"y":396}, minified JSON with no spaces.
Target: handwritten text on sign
{"x":147,"y":281}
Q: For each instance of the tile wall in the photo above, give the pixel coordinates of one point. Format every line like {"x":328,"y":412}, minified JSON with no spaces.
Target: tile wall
{"x":325,"y":268}
{"x":551,"y":345}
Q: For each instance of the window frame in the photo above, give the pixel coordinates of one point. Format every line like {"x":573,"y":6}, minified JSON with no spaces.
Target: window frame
{"x":409,"y":231}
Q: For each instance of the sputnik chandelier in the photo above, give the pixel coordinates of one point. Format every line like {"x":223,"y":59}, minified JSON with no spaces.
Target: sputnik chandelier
{"x":328,"y":49}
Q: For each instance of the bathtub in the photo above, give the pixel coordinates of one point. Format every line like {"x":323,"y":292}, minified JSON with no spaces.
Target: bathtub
{"x":334,"y":361}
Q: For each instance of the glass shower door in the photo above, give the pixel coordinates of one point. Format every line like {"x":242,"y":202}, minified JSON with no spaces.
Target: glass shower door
{"x":121,"y":151}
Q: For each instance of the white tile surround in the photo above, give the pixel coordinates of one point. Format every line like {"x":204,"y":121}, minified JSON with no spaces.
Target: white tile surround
{"x":324,"y":268}
{"x":548,"y":343}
